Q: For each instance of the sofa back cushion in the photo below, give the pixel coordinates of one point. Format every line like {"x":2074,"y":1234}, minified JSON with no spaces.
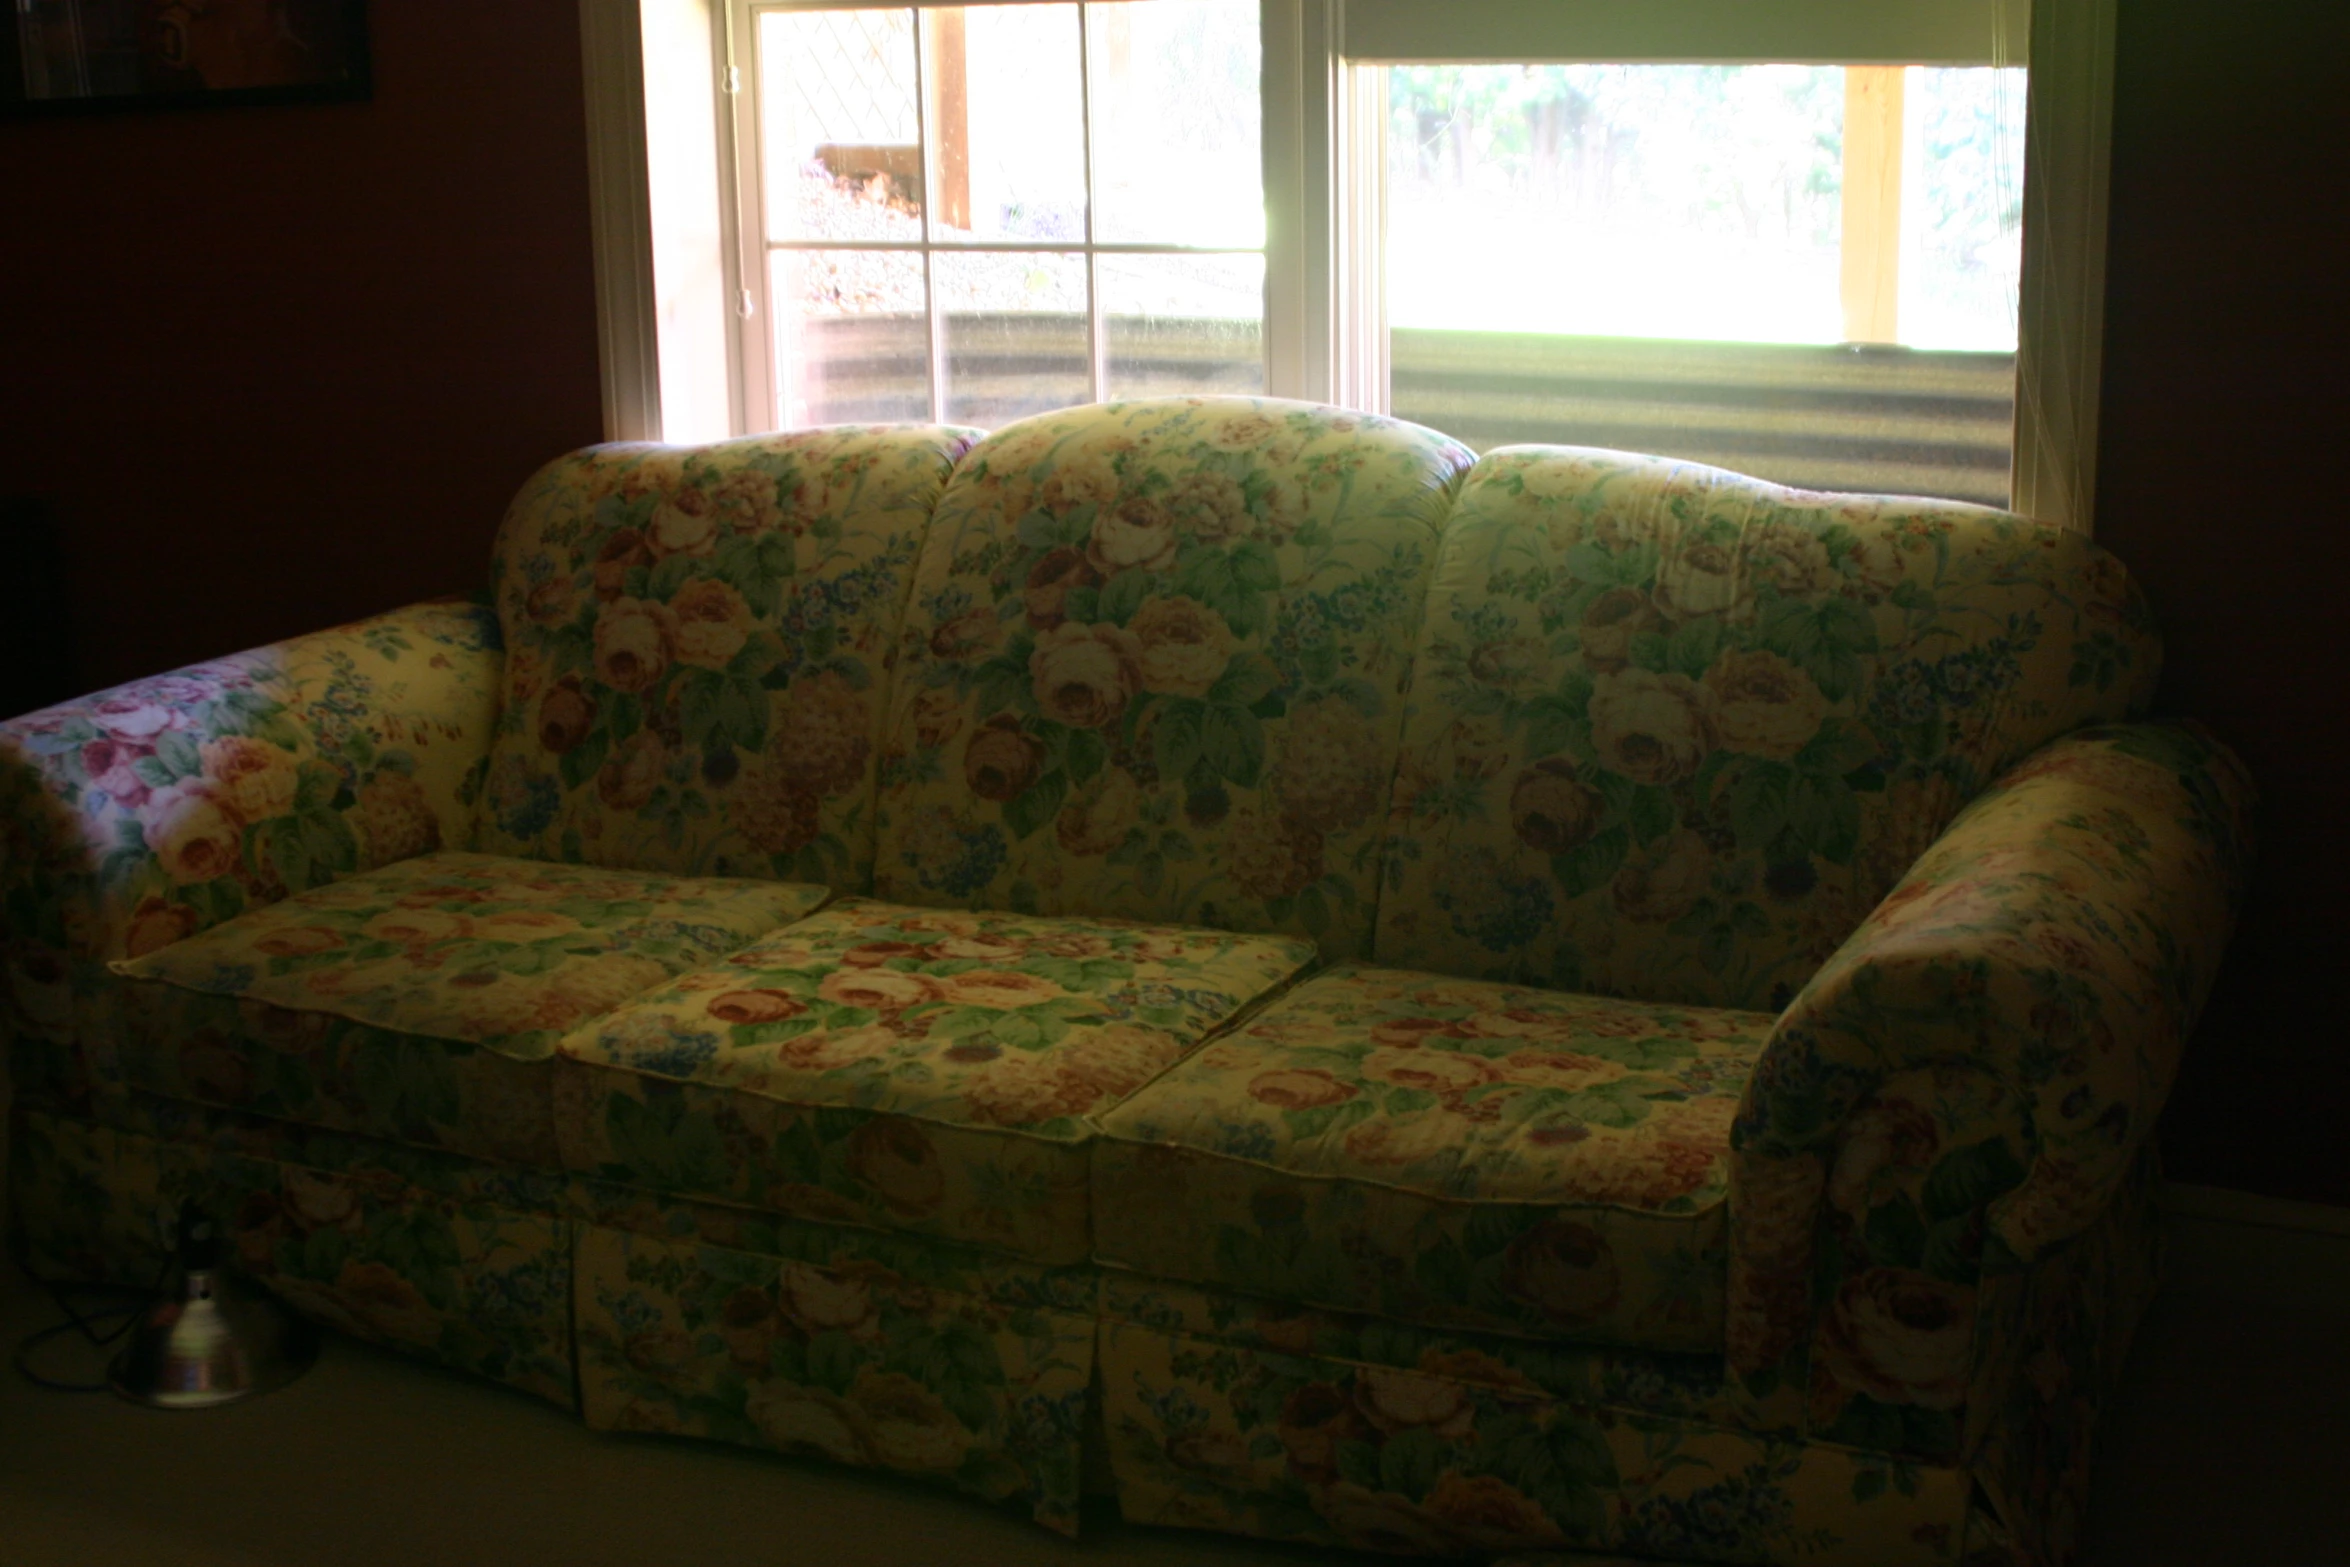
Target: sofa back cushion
{"x":696,"y":644}
{"x":1153,"y":666}
{"x":1673,"y":732}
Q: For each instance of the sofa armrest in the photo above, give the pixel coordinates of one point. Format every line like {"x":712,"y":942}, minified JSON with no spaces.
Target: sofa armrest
{"x":136,"y":816}
{"x":1967,"y":1083}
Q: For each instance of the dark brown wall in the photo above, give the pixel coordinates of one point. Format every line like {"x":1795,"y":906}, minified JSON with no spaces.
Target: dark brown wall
{"x":2225,"y":430}
{"x":275,"y":367}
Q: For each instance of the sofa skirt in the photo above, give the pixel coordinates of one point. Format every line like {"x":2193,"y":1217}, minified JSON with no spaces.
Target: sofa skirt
{"x":453,"y":1276}
{"x":848,"y":1359}
{"x":1030,"y":1385}
{"x":1432,"y":1445}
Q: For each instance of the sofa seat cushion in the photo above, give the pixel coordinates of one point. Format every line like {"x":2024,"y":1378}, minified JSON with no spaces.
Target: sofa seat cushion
{"x":1451,"y":1152}
{"x":914,"y":1069}
{"x":421,"y":1000}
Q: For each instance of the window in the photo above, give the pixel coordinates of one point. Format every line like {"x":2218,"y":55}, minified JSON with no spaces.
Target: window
{"x":973,"y":213}
{"x":1805,"y":272}
{"x":1819,"y":240}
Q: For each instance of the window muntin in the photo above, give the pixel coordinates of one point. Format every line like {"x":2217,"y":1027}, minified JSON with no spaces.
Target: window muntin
{"x":1048,"y":203}
{"x":1321,"y":332}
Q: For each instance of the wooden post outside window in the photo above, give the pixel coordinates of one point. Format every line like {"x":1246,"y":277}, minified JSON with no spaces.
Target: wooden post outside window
{"x":950,"y":116}
{"x":1872,"y":203}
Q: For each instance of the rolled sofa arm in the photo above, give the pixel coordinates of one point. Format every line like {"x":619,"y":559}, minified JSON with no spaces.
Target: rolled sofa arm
{"x":1969,"y":1080}
{"x":136,"y":816}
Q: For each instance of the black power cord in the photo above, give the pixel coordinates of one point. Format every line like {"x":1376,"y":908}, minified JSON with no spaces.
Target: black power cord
{"x":191,"y":1226}
{"x":85,"y":1323}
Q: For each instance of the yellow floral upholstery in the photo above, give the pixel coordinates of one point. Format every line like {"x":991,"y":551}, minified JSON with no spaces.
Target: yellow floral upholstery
{"x":1444,"y":1151}
{"x":906,"y":1068}
{"x":1673,"y":732}
{"x":1741,"y":1152}
{"x":697,"y":639}
{"x":1969,"y":1084}
{"x":411,"y":1002}
{"x":319,"y":1069}
{"x":421,"y":1253}
{"x":477,"y":947}
{"x":1460,"y":1458}
{"x":137,"y":816}
{"x":1153,"y":666}
{"x":859,"y":1362}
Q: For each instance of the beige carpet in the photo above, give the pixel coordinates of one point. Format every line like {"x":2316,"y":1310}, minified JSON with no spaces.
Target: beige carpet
{"x":2231,"y":1443}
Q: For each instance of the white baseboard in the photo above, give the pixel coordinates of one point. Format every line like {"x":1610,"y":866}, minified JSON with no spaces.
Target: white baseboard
{"x":2262,"y":1252}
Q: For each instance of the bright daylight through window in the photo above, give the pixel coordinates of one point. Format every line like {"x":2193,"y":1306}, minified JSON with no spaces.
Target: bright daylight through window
{"x":975,"y":213}
{"x":1803,"y":272}
{"x":1811,"y":272}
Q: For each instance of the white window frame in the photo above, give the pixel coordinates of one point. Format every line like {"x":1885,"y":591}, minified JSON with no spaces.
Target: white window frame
{"x":753,"y":248}
{"x":1323,"y":95}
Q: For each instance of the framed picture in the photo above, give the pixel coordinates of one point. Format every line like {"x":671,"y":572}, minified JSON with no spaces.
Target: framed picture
{"x":80,"y":56}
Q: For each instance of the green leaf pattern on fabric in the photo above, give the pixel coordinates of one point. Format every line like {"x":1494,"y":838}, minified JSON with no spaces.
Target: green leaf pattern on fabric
{"x":918,"y":1069}
{"x":457,"y":1277}
{"x":1607,"y":726}
{"x":138,"y":816}
{"x":1444,"y":1151}
{"x":1456,"y":1454}
{"x":1153,"y":665}
{"x":1971,"y":1081}
{"x":1673,"y":732}
{"x":698,"y":640}
{"x":857,"y":1363}
{"x":477,"y":948}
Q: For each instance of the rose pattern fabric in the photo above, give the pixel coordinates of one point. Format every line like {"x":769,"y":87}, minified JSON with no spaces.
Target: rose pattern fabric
{"x":1153,"y":666}
{"x":901,"y":1067}
{"x":457,"y":1279}
{"x":1969,"y":1084}
{"x":1456,"y":1458}
{"x":1674,"y":732}
{"x":699,"y":639}
{"x":856,"y":1363}
{"x":1665,"y":735}
{"x":2059,"y":1328}
{"x":2054,"y":1340}
{"x":138,"y":816}
{"x":317,"y":1069}
{"x":1444,"y":1151}
{"x":1685,"y":1385}
{"x":478,"y":949}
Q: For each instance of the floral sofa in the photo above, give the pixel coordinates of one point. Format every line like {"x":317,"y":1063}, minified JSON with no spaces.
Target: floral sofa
{"x":1217,"y":951}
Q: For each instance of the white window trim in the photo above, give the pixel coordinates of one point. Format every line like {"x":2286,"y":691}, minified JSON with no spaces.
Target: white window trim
{"x":741,"y":152}
{"x":1324,"y":326}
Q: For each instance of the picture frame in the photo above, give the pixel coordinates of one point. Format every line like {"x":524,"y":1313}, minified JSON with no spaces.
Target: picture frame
{"x":71,"y":57}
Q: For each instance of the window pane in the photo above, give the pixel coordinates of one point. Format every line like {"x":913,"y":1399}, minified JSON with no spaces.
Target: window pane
{"x":1619,"y":200}
{"x":1681,"y":260}
{"x":1008,"y":122}
{"x":1183,"y":324}
{"x":851,"y":336}
{"x":841,"y":140}
{"x":1015,"y":325}
{"x":1962,"y":239}
{"x":1176,"y":122}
